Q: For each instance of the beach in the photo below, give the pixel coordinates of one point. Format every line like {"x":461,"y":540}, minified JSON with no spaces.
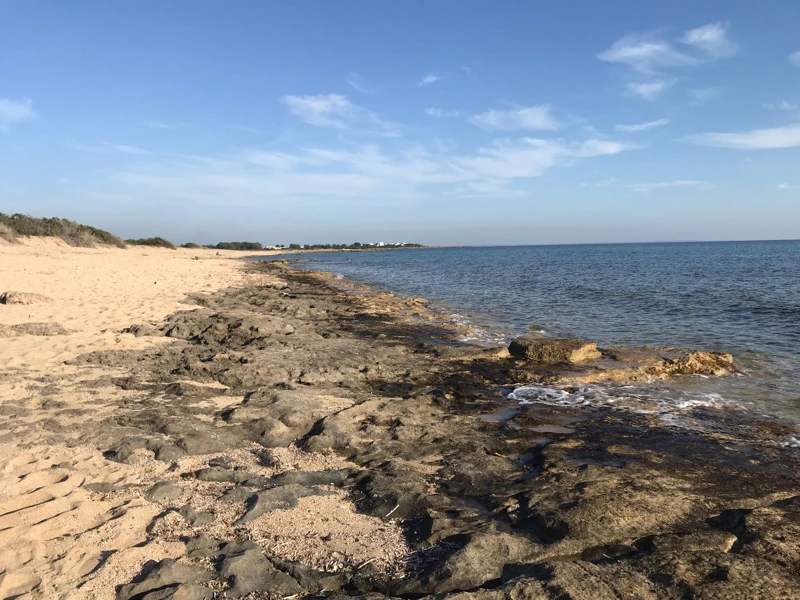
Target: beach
{"x":183,"y":424}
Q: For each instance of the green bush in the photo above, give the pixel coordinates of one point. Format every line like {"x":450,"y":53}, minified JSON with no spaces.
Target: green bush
{"x":158,"y":242}
{"x":238,"y":246}
{"x":190,"y":245}
{"x":73,"y":233}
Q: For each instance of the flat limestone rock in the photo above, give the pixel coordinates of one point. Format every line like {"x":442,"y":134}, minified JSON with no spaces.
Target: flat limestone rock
{"x":166,"y":574}
{"x":553,"y":351}
{"x":22,"y":298}
{"x":250,"y":571}
{"x":284,"y":496}
{"x":44,"y":329}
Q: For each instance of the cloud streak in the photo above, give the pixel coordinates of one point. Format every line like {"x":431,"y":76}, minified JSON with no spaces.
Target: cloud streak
{"x":15,"y":111}
{"x":756,"y":139}
{"x":442,"y":113}
{"x":428,"y":79}
{"x":649,"y":187}
{"x":646,"y":55}
{"x":358,"y":83}
{"x":528,"y":117}
{"x":711,"y":39}
{"x":108,"y":148}
{"x":794,"y":58}
{"x":637,"y":127}
{"x":650,"y":90}
{"x":337,"y":112}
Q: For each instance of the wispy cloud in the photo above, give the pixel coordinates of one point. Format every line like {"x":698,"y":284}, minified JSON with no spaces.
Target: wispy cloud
{"x":428,"y":79}
{"x":650,"y":90}
{"x":645,"y":54}
{"x":363,"y":174}
{"x":794,"y":58}
{"x":107,"y":148}
{"x":467,"y":69}
{"x":359,"y":83}
{"x":157,"y":125}
{"x":15,"y":111}
{"x":603,"y":183}
{"x":698,"y":96}
{"x":642,"y":126}
{"x":757,"y":139}
{"x":649,"y":187}
{"x":784,"y":186}
{"x":712,"y":39}
{"x":651,"y":55}
{"x":442,"y":113}
{"x":527,"y":117}
{"x":336,"y":111}
{"x":782,"y":105}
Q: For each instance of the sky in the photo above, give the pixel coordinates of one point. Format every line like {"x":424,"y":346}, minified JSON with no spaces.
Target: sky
{"x":433,"y":122}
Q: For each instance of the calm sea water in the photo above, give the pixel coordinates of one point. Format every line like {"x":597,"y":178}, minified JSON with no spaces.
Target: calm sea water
{"x":737,"y":297}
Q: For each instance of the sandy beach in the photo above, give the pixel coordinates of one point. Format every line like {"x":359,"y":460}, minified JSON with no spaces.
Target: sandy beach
{"x":182,"y":424}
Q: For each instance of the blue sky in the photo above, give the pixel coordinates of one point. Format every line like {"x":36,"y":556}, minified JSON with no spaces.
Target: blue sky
{"x":439,"y":122}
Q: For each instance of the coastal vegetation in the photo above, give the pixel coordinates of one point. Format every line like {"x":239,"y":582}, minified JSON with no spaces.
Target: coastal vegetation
{"x":158,"y":242}
{"x":74,"y":234}
{"x":237,"y":246}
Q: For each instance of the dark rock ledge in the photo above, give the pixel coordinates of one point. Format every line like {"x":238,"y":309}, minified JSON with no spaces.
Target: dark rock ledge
{"x":550,"y":502}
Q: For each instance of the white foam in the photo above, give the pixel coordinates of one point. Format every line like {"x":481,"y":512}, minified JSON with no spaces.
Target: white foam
{"x":793,"y":441}
{"x":624,"y":397}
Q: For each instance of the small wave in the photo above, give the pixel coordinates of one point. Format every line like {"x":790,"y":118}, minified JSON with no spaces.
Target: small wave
{"x":624,"y":397}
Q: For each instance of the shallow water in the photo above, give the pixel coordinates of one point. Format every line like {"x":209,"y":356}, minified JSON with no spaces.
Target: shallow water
{"x":738,"y":297}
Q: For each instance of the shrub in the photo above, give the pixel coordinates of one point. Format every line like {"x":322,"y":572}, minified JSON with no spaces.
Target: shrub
{"x":158,"y":242}
{"x":238,"y":246}
{"x":190,"y":245}
{"x":7,"y":234}
{"x":71,"y":232}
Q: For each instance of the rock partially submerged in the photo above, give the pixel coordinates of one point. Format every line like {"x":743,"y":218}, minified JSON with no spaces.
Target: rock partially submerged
{"x":553,"y":351}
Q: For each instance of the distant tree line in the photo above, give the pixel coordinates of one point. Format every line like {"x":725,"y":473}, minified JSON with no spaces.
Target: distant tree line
{"x":226,"y":246}
{"x":353,"y":246}
{"x":158,"y":242}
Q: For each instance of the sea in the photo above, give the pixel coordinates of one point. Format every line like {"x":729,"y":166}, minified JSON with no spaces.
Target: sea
{"x":736,"y":297}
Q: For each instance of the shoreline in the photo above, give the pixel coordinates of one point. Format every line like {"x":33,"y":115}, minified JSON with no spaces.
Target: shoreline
{"x":233,"y":431}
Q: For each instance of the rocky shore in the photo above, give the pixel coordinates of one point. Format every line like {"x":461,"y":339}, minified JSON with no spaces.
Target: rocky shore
{"x":297,"y":436}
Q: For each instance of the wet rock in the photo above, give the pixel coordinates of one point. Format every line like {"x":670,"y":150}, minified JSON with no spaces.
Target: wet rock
{"x":553,"y":351}
{"x":163,"y":492}
{"x":249,"y":571}
{"x":22,"y":298}
{"x":285,"y":496}
{"x":702,"y":363}
{"x":167,"y":574}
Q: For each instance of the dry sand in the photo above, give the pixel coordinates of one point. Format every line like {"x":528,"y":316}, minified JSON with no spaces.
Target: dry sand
{"x":59,"y":539}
